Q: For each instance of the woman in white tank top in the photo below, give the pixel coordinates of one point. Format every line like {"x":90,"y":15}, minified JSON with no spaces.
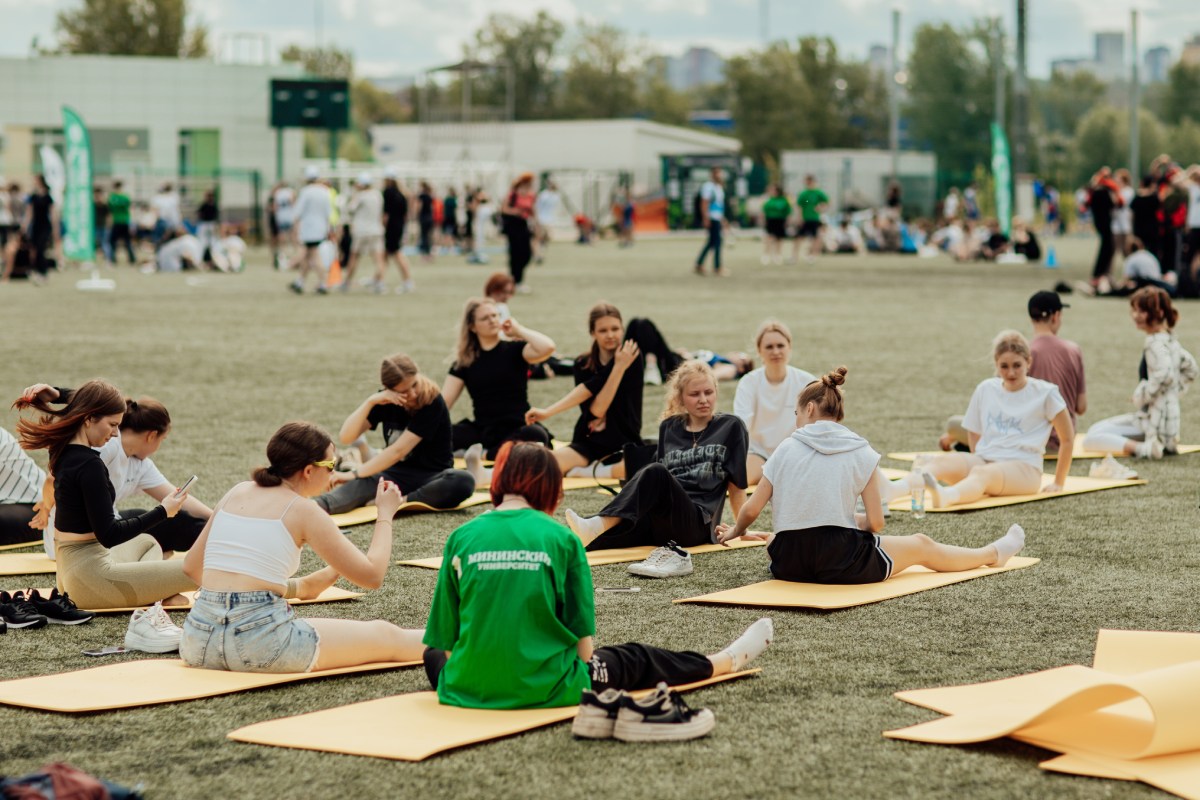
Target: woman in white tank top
{"x":248,"y":552}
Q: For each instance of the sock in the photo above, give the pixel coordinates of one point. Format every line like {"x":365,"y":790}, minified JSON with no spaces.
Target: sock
{"x":1008,"y":545}
{"x":474,"y":459}
{"x":937,"y":492}
{"x":750,"y":644}
{"x":892,"y":490}
{"x":1151,"y":448}
{"x":579,"y":472}
{"x":603,"y":471}
{"x":589,"y":527}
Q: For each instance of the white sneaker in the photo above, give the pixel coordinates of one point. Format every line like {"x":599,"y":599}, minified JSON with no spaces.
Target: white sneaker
{"x":151,"y":631}
{"x":669,"y":561}
{"x":1111,"y":469}
{"x":1151,"y":448}
{"x":652,"y":376}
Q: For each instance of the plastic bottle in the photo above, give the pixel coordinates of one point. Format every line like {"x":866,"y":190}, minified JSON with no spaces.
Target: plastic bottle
{"x":916,"y":488}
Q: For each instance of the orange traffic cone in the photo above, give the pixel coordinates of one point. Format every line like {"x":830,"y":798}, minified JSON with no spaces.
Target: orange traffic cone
{"x":335,"y":275}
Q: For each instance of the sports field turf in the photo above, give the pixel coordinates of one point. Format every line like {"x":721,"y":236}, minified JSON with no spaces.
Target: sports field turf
{"x":232,"y":357}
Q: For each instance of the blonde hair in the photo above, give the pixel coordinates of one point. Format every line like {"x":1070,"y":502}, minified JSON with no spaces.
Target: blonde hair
{"x":1011,"y":342}
{"x":684,"y":374}
{"x":825,"y":393}
{"x":396,"y":368}
{"x":468,"y":343}
{"x":771,"y":326}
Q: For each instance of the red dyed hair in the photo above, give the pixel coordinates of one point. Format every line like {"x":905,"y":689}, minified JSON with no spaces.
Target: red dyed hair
{"x":528,"y":470}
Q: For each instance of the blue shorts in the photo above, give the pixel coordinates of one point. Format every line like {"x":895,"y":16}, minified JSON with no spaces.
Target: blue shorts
{"x":247,"y":632}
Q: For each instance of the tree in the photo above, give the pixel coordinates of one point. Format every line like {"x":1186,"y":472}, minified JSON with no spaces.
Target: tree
{"x":529,"y":47}
{"x":1062,"y":101}
{"x":599,"y":82}
{"x":131,"y":28}
{"x":1182,"y":96}
{"x":322,"y":62}
{"x":1103,"y":140}
{"x":657,"y":98}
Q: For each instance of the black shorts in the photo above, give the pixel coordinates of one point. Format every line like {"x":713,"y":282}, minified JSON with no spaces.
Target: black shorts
{"x":1193,"y":243}
{"x":393,"y":239}
{"x":829,"y":554}
{"x":809,"y":229}
{"x":311,"y":245}
{"x":594,"y":448}
{"x":777,"y":228}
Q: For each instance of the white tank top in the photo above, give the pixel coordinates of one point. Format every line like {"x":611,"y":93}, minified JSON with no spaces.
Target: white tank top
{"x":260,"y":548}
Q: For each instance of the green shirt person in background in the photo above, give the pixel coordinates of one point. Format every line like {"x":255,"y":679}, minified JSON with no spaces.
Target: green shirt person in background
{"x":119,"y":209}
{"x":119,"y":205}
{"x":513,"y":613}
{"x":812,"y":202}
{"x":775,"y":211}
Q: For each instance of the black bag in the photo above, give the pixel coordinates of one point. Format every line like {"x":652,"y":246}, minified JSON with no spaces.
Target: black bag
{"x":636,"y":455}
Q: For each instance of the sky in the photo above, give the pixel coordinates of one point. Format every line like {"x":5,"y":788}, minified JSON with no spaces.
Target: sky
{"x":404,"y":37}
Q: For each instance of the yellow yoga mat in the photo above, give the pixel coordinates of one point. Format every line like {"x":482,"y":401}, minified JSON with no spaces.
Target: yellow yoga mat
{"x":149,"y":682}
{"x":368,"y":514}
{"x":410,"y":727}
{"x":19,"y":546}
{"x":1077,"y":452}
{"x":1076,"y":484}
{"x":789,"y":594}
{"x":1138,"y":725}
{"x":331,"y":595}
{"x":26,"y":564}
{"x":597,"y":558}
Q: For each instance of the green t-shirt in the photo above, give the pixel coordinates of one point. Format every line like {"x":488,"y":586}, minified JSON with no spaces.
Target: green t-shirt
{"x":809,"y":200}
{"x":777,"y":208}
{"x":513,"y":597}
{"x":118,"y":206}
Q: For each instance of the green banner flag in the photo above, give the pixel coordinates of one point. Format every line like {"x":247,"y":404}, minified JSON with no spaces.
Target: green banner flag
{"x":1002,"y":175}
{"x":79,"y":239}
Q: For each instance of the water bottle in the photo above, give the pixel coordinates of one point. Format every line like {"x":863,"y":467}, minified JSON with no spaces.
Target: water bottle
{"x":916,"y":488}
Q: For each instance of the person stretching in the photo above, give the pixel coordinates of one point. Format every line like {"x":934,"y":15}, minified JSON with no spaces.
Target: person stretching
{"x":813,"y":481}
{"x":536,"y":649}
{"x":416,"y":430}
{"x":250,"y":549}
{"x":677,"y":500}
{"x":1008,"y":422}
{"x":766,"y":397}
{"x":610,"y":377}
{"x":103,"y":560}
{"x":1165,"y":372}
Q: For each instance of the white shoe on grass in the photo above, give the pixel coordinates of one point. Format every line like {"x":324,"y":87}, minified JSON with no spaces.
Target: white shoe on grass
{"x":1111,"y":469}
{"x":668,"y":561}
{"x":151,"y":631}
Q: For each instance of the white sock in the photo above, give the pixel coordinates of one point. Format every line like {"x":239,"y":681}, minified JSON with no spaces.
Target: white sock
{"x":474,"y":459}
{"x":603,"y":471}
{"x":750,"y":644}
{"x":1008,"y":545}
{"x":585,"y":527}
{"x":938,"y":493}
{"x":892,"y":490}
{"x":1151,"y":448}
{"x":578,"y":472}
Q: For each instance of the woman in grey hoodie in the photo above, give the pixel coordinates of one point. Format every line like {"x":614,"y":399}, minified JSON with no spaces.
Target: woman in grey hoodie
{"x":813,"y":480}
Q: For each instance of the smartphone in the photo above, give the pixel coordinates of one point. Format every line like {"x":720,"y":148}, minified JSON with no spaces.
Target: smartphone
{"x":186,"y":485}
{"x":105,"y":651}
{"x":620,"y":588}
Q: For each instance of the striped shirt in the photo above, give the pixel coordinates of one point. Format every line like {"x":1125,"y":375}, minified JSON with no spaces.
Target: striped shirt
{"x":20,"y":478}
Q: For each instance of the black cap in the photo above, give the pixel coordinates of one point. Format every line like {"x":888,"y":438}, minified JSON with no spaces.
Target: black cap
{"x":1044,"y":303}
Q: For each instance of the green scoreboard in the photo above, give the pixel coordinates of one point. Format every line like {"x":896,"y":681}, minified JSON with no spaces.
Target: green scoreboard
{"x":310,"y":104}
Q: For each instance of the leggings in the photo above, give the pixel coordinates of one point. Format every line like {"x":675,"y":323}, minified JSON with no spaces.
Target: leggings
{"x":520,"y":247}
{"x":176,"y":534}
{"x":713,"y":244}
{"x":14,"y":524}
{"x":628,"y":667}
{"x":117,"y":234}
{"x":974,"y":478}
{"x":465,"y":433}
{"x":1104,"y":255}
{"x":650,"y":341}
{"x":654,"y":509}
{"x":1109,"y":435}
{"x":131,"y":574}
{"x":446,"y":489}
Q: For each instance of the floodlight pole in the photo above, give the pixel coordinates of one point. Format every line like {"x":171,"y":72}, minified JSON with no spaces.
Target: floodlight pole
{"x":1020,"y":99}
{"x":894,"y":96}
{"x":1135,"y":100}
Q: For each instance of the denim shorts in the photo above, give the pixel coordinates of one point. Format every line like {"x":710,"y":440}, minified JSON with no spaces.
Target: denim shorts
{"x":247,"y":632}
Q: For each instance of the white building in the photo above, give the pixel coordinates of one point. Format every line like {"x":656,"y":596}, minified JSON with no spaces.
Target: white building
{"x":586,"y":158}
{"x":152,"y":120}
{"x":859,"y":178}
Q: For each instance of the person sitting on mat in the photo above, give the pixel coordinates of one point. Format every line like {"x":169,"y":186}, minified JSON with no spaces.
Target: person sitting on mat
{"x":127,"y":458}
{"x":104,"y":561}
{"x":677,"y":500}
{"x":813,"y":480}
{"x":416,"y":431}
{"x":535,"y":649}
{"x":1008,"y":421}
{"x":1164,"y":374}
{"x":766,"y":396}
{"x":24,"y":488}
{"x":250,"y":549}
{"x":492,"y":364}
{"x":608,"y":389}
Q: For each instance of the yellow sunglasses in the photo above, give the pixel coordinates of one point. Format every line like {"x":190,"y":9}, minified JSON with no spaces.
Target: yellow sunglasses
{"x":329,"y":465}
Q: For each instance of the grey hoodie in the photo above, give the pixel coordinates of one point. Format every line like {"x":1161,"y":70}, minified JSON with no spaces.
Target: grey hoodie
{"x":816,"y":476}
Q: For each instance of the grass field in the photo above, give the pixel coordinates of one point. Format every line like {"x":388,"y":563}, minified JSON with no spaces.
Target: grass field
{"x":232,"y":357}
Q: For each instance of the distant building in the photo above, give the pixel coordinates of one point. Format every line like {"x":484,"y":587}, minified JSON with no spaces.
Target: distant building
{"x":1071,"y":66}
{"x":1157,"y":63}
{"x":1110,"y":55}
{"x":1191,"y":51}
{"x":879,"y":58}
{"x":697,"y":67}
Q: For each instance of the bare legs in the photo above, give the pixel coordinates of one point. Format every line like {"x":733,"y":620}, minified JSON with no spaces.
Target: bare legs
{"x":754,"y":468}
{"x":348,"y":643}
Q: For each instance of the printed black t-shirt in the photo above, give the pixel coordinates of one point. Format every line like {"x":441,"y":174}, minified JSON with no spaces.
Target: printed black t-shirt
{"x":432,"y":423}
{"x":498,"y":382}
{"x":705,"y":462}
{"x":623,"y":422}
{"x":395,"y":205}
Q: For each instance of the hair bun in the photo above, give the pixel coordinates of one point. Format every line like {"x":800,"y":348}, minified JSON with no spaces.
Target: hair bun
{"x":835,"y":378}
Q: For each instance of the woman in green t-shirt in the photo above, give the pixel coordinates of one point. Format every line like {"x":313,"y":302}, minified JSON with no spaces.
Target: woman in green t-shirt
{"x":535,"y":649}
{"x":775,"y":211}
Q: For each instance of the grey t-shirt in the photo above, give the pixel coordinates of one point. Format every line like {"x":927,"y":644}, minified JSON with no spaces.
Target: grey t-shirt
{"x":707,"y":461}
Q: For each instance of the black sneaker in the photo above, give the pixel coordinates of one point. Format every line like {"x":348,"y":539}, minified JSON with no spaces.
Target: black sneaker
{"x":662,"y":716}
{"x":58,"y":608}
{"x":19,"y":612}
{"x":598,"y":714}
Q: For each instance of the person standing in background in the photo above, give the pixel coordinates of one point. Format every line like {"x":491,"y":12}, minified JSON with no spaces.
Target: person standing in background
{"x":812,"y":202}
{"x":395,"y":217}
{"x":712,"y":215}
{"x":425,"y":220}
{"x":100,"y":223}
{"x":314,"y":209}
{"x":1103,"y":197}
{"x":41,"y":226}
{"x":119,"y":206}
{"x":207,"y":219}
{"x":166,"y":207}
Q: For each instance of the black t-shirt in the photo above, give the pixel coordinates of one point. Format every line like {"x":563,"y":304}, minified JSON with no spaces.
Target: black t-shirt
{"x":996,"y":241}
{"x":99,"y":213}
{"x":41,"y":205}
{"x":208,"y":211}
{"x":1030,"y":248}
{"x":623,"y":422}
{"x":425,"y":206}
{"x":449,"y":209}
{"x":1145,"y":214}
{"x":1101,"y":203}
{"x":498,"y":382}
{"x":705,"y":462}
{"x":395,"y":205}
{"x":432,"y":423}
{"x":84,"y":497}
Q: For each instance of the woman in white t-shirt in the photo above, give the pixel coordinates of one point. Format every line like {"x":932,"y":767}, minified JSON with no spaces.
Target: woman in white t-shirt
{"x":766,"y":397}
{"x":1008,"y":422}
{"x":813,"y":481}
